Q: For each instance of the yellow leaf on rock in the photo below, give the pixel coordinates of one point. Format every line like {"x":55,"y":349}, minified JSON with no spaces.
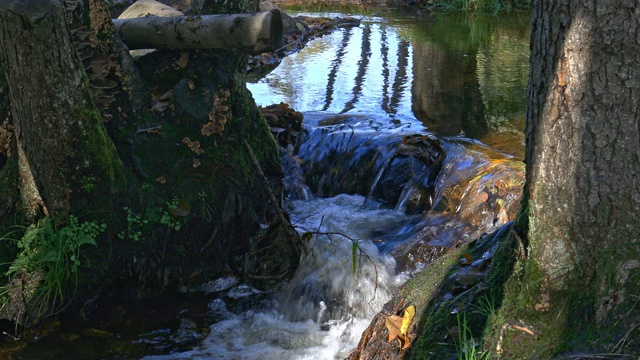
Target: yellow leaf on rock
{"x":409,"y":313}
{"x":398,"y":326}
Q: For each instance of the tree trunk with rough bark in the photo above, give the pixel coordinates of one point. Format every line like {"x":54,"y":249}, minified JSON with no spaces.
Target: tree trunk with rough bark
{"x":66,"y":158}
{"x":181,"y":175}
{"x":583,"y":175}
{"x":583,"y":153}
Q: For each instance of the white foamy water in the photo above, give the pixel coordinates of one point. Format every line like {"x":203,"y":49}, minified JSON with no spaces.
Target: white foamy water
{"x":321,"y":313}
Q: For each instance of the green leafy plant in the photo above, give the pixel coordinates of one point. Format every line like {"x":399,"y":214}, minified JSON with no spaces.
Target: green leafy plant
{"x":171,"y":216}
{"x":135,"y":224}
{"x":175,"y":207}
{"x":54,"y":253}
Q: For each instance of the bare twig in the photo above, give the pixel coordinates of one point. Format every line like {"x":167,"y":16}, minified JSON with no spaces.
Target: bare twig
{"x":523,"y":329}
{"x":624,"y":339}
{"x":630,"y":310}
{"x":363,"y":253}
{"x":501,"y":338}
{"x":265,"y":182}
{"x":158,"y":127}
{"x":521,"y":247}
{"x":16,"y":338}
{"x":211,"y":239}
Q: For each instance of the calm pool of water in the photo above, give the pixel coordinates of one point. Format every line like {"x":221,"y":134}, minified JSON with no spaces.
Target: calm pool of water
{"x":454,"y":75}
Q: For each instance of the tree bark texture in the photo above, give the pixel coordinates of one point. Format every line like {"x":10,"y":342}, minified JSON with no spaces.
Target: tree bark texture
{"x":117,"y":90}
{"x":253,"y":33}
{"x":583,"y":153}
{"x":54,"y":114}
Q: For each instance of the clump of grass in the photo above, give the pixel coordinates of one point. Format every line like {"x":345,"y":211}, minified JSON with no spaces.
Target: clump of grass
{"x":466,"y":346}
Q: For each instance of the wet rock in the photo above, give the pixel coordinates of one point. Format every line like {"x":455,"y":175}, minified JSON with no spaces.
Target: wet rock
{"x":352,"y":157}
{"x":243,"y":291}
{"x":293,"y":181}
{"x":187,"y":333}
{"x":218,"y":285}
{"x":218,"y":306}
{"x":408,"y":179}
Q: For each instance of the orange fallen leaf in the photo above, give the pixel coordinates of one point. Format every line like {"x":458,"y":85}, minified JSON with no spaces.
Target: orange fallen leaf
{"x":398,"y":326}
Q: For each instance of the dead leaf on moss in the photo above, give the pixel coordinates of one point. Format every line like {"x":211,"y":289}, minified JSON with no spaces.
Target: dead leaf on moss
{"x":161,"y":180}
{"x":467,"y":259}
{"x":407,"y":318}
{"x":398,"y":326}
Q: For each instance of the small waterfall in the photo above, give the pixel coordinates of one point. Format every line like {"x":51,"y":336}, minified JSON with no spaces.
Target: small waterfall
{"x":379,"y":176}
{"x":326,"y":282}
{"x":322,"y":312}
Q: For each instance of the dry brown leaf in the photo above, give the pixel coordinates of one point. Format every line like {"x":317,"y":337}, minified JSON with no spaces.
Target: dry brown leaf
{"x":467,"y":259}
{"x":398,"y":326}
{"x":393,"y":324}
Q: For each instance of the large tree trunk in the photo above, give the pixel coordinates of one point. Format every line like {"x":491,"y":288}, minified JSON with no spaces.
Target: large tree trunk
{"x":54,"y":114}
{"x":583,"y":152}
{"x":583,"y":177}
{"x":199,"y":164}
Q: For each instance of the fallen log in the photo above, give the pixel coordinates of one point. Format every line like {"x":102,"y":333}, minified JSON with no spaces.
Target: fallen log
{"x":252,"y":33}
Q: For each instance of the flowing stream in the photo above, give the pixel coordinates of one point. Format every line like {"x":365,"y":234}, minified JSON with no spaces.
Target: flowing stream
{"x":413,"y":144}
